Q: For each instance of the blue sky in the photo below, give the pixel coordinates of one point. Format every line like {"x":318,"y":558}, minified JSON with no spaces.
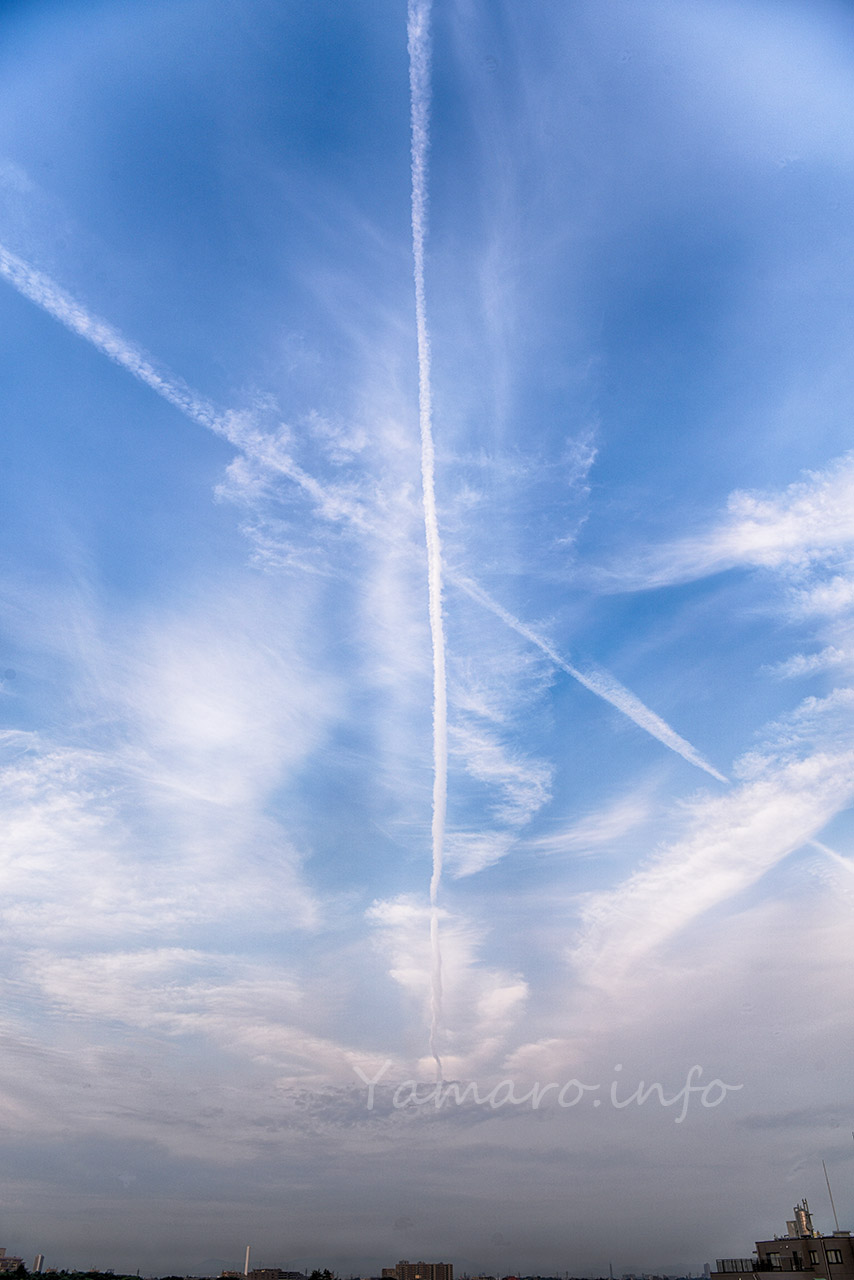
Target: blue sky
{"x":217,"y":688}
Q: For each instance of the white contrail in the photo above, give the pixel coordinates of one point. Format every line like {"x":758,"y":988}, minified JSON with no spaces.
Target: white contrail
{"x":418,"y":43}
{"x":47,"y":294}
{"x":847,"y":863}
{"x":332,"y":505}
{"x":599,"y":682}
{"x":50,"y":297}
{"x":235,"y":428}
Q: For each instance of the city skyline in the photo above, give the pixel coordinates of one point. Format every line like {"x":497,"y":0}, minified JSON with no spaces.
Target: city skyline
{"x":426,"y":642}
{"x":803,"y":1248}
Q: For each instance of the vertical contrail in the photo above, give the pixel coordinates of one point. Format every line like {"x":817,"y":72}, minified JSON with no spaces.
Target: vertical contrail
{"x":418,"y":32}
{"x":331,"y":504}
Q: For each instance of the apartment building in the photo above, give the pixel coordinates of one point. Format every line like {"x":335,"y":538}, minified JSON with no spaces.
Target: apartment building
{"x":421,"y":1271}
{"x":802,"y":1248}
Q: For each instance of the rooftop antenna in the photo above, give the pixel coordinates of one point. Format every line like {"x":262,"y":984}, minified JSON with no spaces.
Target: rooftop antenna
{"x":246,"y":1263}
{"x":830,"y":1193}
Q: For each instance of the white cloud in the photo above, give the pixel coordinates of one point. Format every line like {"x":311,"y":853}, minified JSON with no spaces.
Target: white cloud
{"x":225,"y":712}
{"x":482,"y":1004}
{"x":341,"y":441}
{"x":14,"y":177}
{"x":468,"y":852}
{"x":791,"y":789}
{"x":524,"y":785}
{"x":807,"y":664}
{"x":826,"y":599}
{"x":154,"y":805}
{"x":808,"y":524}
{"x":252,"y":1009}
{"x":803,"y":535}
{"x":603,"y":827}
{"x":101,"y":838}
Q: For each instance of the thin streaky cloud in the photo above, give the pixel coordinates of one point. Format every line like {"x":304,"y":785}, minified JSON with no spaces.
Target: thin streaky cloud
{"x":733,"y":841}
{"x":418,"y":32}
{"x":808,"y":664}
{"x":809,"y":523}
{"x":602,"y":827}
{"x":600,"y":682}
{"x":837,"y":858}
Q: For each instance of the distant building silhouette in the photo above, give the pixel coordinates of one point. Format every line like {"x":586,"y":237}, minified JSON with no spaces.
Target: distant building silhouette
{"x":262,"y":1273}
{"x":419,"y":1271}
{"x":274,"y":1273}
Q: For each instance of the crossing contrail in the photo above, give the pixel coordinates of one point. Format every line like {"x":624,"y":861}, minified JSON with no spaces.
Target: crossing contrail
{"x":47,"y":294}
{"x":233,"y":427}
{"x":50,"y":297}
{"x":418,"y":43}
{"x":599,"y":682}
{"x":333,"y":505}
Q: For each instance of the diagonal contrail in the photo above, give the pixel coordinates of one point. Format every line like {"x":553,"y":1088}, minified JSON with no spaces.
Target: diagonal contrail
{"x":418,"y":43}
{"x":840,"y":861}
{"x":332,"y":505}
{"x":233,"y":427}
{"x":45,"y":293}
{"x":599,"y":682}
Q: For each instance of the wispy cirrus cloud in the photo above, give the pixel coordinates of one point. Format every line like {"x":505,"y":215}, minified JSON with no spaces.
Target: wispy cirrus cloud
{"x":253,"y":1008}
{"x":831,"y":598}
{"x":385,"y":512}
{"x":265,"y":454}
{"x":523,"y":784}
{"x":605,"y":826}
{"x":514,"y":787}
{"x":469,"y":852}
{"x":184,"y":725}
{"x":807,"y":525}
{"x":788,"y":791}
{"x":830,"y":658}
{"x":802,"y":536}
